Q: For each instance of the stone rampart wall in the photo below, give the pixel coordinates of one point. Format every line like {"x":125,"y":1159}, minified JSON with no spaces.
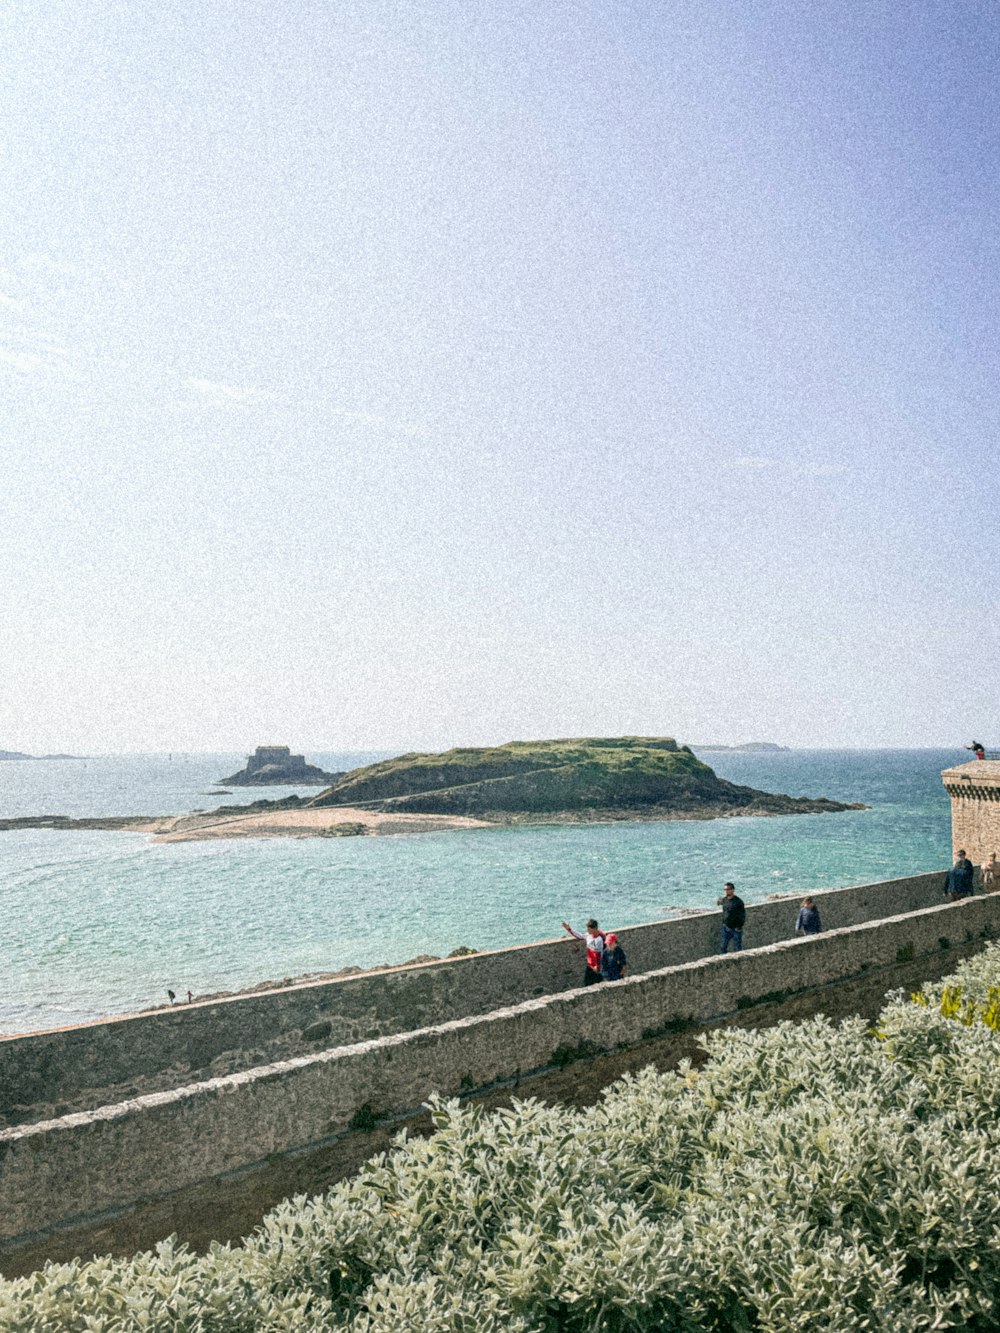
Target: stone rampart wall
{"x":974,"y":789}
{"x":975,"y":817}
{"x":52,"y":1073}
{"x":67,"y":1172}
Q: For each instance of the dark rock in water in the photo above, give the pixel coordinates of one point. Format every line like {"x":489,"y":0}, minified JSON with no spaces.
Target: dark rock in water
{"x":114,"y":822}
{"x":275,"y":765}
{"x":261,"y":806}
{"x":346,"y":830}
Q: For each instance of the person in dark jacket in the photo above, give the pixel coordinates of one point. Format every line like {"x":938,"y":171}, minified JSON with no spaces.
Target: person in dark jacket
{"x":614,"y":964}
{"x":958,"y":881}
{"x":808,"y":922}
{"x":734,"y":915}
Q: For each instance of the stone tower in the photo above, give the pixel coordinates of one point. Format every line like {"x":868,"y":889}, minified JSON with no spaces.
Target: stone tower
{"x":975,"y":808}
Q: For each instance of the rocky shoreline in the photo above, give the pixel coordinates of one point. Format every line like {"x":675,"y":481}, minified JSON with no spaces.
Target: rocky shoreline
{"x":280,"y":821}
{"x":127,"y":823}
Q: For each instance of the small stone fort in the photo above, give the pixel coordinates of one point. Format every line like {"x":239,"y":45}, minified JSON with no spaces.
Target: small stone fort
{"x":274,"y":764}
{"x":196,"y":1120}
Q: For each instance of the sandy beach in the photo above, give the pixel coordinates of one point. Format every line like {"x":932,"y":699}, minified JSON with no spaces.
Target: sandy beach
{"x":322,"y":823}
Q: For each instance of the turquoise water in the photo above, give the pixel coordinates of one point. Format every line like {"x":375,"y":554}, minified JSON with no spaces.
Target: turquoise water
{"x":100,"y":923}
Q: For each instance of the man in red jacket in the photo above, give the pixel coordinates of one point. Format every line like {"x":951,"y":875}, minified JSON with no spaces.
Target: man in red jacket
{"x":595,"y":947}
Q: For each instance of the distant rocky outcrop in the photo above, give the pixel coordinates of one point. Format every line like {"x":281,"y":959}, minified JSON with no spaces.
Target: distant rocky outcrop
{"x":617,"y":777}
{"x":748,"y":747}
{"x":17,"y":754}
{"x":275,"y":765}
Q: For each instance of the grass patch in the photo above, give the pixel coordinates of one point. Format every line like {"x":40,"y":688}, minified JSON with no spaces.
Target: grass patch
{"x":364,"y":1119}
{"x":566,"y":1055}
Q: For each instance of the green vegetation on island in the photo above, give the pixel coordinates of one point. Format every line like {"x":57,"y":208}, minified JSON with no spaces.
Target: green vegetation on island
{"x":616,"y":777}
{"x":807,"y":1177}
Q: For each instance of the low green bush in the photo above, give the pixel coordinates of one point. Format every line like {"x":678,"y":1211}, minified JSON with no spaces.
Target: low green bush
{"x":809,"y":1177}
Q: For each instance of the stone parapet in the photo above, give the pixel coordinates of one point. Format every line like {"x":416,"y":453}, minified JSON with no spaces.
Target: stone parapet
{"x":74,"y":1069}
{"x":72,"y":1171}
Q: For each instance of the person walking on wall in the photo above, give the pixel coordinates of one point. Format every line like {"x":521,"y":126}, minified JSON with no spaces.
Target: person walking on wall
{"x":614,"y":964}
{"x":734,"y":915}
{"x":958,"y":881}
{"x":991,"y":873}
{"x":594,"y":941}
{"x":808,"y":922}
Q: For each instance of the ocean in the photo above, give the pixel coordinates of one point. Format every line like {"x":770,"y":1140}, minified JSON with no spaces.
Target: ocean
{"x":98,"y":923}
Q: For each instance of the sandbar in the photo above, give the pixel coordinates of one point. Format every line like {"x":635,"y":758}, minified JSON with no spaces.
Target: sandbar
{"x":328,"y":822}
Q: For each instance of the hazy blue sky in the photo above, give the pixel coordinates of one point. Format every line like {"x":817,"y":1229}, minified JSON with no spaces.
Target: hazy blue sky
{"x":418,"y":373}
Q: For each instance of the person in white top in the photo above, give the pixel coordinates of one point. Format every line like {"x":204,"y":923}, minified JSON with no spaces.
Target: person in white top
{"x":594,"y":940}
{"x":991,"y":874}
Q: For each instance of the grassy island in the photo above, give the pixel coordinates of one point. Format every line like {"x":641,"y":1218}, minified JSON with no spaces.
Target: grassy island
{"x":589,"y":778}
{"x":593,"y":779}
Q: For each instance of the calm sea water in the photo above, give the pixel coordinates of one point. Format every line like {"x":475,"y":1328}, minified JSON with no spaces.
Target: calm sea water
{"x":97,"y":923}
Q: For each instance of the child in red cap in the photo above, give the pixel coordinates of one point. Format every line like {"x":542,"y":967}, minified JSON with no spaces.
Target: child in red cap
{"x":614,"y":964}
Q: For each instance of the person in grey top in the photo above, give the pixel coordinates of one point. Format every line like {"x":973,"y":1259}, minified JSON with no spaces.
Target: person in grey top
{"x":958,"y":881}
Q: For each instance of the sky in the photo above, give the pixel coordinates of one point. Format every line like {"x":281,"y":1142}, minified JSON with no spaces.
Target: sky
{"x":402,"y":375}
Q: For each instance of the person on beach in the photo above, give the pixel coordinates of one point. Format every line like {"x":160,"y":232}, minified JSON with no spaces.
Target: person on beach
{"x":808,"y":922}
{"x":614,"y":964}
{"x":958,"y":881}
{"x":734,"y":915}
{"x":594,"y":941}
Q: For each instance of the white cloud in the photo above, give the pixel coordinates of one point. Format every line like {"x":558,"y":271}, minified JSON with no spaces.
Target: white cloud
{"x":49,"y":265}
{"x":29,"y":354}
{"x":758,"y":463}
{"x":25,"y":362}
{"x":393,"y":424}
{"x":220,"y":395}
